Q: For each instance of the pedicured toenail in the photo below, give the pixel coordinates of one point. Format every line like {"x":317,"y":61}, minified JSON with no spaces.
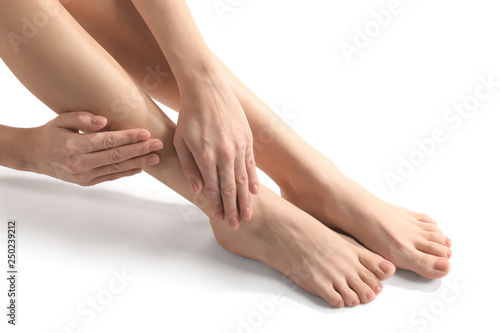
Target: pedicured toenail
{"x":385,"y":266}
{"x":441,"y":265}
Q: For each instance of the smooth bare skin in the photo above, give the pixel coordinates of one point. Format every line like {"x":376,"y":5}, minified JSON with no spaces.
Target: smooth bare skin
{"x":213,"y":138}
{"x":57,"y":149}
{"x":410,"y":240}
{"x":280,"y":234}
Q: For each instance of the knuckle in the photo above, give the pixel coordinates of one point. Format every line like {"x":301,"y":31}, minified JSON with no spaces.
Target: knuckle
{"x":226,"y":153}
{"x":241,"y":145}
{"x":229,"y":191}
{"x":71,"y":146}
{"x":114,"y":168}
{"x":242,"y":180}
{"x":109,"y":142}
{"x":207,"y":157}
{"x":211,"y":191}
{"x":116,"y":155}
{"x":74,"y":165}
{"x":81,"y":117}
{"x":188,"y":169}
{"x":250,"y":163}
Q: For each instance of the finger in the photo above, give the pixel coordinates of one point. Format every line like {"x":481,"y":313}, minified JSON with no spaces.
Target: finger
{"x":113,"y":176}
{"x":110,"y":140}
{"x":131,"y":164}
{"x":120,"y":154}
{"x":211,"y":188}
{"x":229,"y":194}
{"x":189,"y":167}
{"x":80,"y":121}
{"x":251,"y":169}
{"x":244,"y":200}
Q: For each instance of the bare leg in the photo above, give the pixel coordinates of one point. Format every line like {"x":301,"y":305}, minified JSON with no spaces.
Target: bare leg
{"x":64,"y":67}
{"x":410,"y":240}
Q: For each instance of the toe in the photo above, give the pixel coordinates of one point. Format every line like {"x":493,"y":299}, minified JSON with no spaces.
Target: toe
{"x":435,"y":249}
{"x":350,"y":297}
{"x":382,"y":268}
{"x":371,"y":280}
{"x":424,"y":218}
{"x":432,"y":267}
{"x":333,"y":297}
{"x":364,"y":292}
{"x":437,"y":237}
{"x":429,"y":227}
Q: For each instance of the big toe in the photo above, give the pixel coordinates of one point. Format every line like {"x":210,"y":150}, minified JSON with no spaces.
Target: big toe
{"x":432,"y":267}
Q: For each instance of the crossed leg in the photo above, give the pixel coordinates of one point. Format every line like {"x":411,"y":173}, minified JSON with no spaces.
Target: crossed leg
{"x":410,"y":240}
{"x":68,"y":70}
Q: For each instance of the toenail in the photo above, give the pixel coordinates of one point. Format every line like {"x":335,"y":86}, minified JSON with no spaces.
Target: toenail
{"x":378,"y":289}
{"x":441,"y":265}
{"x":355,"y":302}
{"x":340,"y":304}
{"x":448,"y":242}
{"x":449,"y":254}
{"x":370,"y":295}
{"x":385,"y":266}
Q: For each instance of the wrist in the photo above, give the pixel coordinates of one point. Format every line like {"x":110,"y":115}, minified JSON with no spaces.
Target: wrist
{"x":194,"y":74}
{"x":15,"y":144}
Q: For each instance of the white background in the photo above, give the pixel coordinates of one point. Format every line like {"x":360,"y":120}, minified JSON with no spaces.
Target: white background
{"x":363,"y":115}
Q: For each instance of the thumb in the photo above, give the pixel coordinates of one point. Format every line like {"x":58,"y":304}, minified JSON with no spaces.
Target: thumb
{"x":80,"y":121}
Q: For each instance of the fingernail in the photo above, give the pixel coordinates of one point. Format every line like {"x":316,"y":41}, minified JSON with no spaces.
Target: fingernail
{"x":219,"y":217}
{"x":194,"y":187}
{"x":156,"y":146}
{"x":441,"y":265}
{"x":143,"y":136}
{"x":233,"y":223}
{"x":255,"y":189}
{"x":97,"y":120}
{"x":247,"y":213}
{"x":153,"y":160}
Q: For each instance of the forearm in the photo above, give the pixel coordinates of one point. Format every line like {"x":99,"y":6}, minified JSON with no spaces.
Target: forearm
{"x":182,"y":44}
{"x":14,"y":143}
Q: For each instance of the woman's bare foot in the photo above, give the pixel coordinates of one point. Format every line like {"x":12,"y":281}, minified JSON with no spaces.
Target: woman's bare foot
{"x":323,"y":262}
{"x":410,"y":240}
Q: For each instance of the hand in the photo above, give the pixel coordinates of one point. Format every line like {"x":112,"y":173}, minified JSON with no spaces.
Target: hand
{"x":215,"y":147}
{"x":60,"y":151}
